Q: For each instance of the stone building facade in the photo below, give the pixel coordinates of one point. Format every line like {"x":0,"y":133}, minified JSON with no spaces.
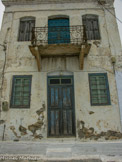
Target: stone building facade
{"x":58,"y":61}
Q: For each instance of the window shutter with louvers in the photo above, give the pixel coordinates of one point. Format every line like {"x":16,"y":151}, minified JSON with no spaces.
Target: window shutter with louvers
{"x":25,"y":30}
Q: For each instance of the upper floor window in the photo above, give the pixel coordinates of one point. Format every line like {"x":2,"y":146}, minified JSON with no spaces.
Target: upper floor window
{"x":21,"y":91}
{"x":91,"y":26}
{"x":25,"y":29}
{"x":99,"y":89}
{"x":58,"y":30}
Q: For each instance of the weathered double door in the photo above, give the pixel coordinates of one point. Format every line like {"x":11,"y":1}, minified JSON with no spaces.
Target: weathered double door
{"x":61,"y":117}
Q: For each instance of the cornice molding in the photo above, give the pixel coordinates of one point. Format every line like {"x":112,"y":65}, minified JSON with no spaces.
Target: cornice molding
{"x":34,"y":2}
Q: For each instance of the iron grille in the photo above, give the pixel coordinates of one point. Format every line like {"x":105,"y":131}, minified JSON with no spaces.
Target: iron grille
{"x":58,"y":35}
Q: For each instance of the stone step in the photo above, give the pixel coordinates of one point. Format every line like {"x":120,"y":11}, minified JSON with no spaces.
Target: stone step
{"x":83,"y":160}
{"x":61,"y":152}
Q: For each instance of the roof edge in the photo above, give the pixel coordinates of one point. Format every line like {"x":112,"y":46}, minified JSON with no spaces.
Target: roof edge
{"x":34,"y":2}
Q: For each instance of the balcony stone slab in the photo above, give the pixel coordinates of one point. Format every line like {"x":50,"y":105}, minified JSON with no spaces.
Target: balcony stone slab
{"x":59,"y":49}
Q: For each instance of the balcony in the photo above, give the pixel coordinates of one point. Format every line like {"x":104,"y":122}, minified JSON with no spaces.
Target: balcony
{"x":58,"y":34}
{"x":59,"y":41}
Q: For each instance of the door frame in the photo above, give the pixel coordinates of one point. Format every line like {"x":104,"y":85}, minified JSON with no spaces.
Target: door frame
{"x":73,"y":105}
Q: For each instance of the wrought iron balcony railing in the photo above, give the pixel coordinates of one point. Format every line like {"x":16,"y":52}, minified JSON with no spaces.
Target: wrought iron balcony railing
{"x":58,"y":35}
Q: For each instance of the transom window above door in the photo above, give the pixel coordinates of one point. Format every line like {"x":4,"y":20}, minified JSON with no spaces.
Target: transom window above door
{"x":58,"y":31}
{"x":56,"y":81}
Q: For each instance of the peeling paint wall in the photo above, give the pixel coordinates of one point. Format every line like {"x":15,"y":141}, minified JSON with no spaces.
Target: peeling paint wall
{"x":31,"y":124}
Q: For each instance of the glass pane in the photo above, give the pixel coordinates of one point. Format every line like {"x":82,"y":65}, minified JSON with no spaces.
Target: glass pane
{"x":65,"y":81}
{"x":18,"y":88}
{"x":93,"y":86}
{"x":26,"y":81}
{"x":94,"y":92}
{"x":18,"y":81}
{"x":103,"y":100}
{"x":54,"y":81}
{"x":103,"y":92}
{"x":17,"y":101}
{"x":26,"y":88}
{"x":102,"y":86}
{"x":25,"y":102}
{"x":102,"y":81}
{"x":95,"y":101}
{"x":18,"y":94}
{"x":92,"y":78}
{"x":26,"y":94}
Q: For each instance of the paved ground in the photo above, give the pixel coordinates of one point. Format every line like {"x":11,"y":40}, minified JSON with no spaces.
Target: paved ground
{"x":61,"y":152}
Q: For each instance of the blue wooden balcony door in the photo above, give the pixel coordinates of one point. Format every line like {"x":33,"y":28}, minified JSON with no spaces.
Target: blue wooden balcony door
{"x":58,"y":31}
{"x":61,"y":119}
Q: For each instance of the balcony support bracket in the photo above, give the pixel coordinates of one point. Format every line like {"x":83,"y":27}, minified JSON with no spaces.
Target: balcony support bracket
{"x":85,"y":48}
{"x":35,"y":52}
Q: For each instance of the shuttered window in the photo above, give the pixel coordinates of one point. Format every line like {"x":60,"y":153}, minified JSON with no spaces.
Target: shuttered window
{"x":21,"y":91}
{"x":99,"y":89}
{"x":25,"y":29}
{"x":92,"y":27}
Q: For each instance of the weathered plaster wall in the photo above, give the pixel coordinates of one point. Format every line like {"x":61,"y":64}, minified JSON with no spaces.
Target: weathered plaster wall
{"x":31,"y":124}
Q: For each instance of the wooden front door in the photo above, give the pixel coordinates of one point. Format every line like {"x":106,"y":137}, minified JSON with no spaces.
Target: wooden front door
{"x":58,"y":31}
{"x":61,"y":117}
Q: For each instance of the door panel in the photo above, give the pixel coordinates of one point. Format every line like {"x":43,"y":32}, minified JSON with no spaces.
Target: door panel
{"x":61,"y":120}
{"x":54,"y":97}
{"x":66,"y":97}
{"x":52,"y":119}
{"x":55,"y":122}
{"x":67,"y":122}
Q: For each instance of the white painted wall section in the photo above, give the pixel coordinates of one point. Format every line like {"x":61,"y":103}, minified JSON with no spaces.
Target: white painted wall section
{"x":119,"y":88}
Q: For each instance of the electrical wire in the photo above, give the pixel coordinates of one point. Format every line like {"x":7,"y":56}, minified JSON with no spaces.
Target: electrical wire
{"x":109,"y":11}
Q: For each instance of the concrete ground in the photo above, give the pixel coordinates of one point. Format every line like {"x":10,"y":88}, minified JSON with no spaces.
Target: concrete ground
{"x":61,"y":151}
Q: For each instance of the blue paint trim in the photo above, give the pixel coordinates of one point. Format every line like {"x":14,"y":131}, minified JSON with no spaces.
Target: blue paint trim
{"x":57,"y":34}
{"x":107,"y":87}
{"x":13,"y":82}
